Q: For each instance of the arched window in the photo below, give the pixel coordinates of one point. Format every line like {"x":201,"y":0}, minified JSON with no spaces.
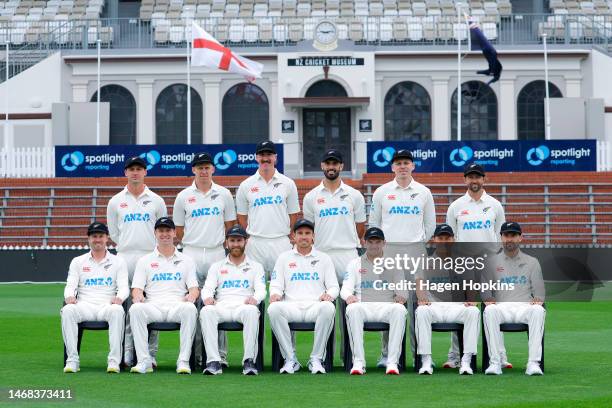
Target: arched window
{"x":171,"y":116}
{"x":245,"y":114}
{"x":407,"y":112}
{"x":122,"y":127}
{"x":326,"y":87}
{"x":530,"y":109}
{"x":478,"y":112}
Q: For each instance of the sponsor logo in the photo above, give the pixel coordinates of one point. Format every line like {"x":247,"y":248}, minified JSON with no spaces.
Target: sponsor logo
{"x":254,"y":189}
{"x":191,"y":200}
{"x":70,"y":161}
{"x":154,"y":265}
{"x":99,"y":281}
{"x":223,"y":160}
{"x":152,"y":158}
{"x":204,"y":211}
{"x":292,"y":265}
{"x":166,"y":276}
{"x":329,"y":212}
{"x":268,"y":200}
{"x":320,"y":201}
{"x":235,"y":284}
{"x":86,"y":269}
{"x":123,"y":205}
{"x":132,"y":217}
{"x":382,"y":157}
{"x":304,"y":276}
{"x":363,"y":271}
{"x":223,"y":271}
{"x":460,"y":156}
{"x":391,"y":197}
{"x":516,"y":279}
{"x":405,"y":209}
{"x":464,"y":212}
{"x":537,"y":155}
{"x":476,"y":225}
{"x":491,"y":157}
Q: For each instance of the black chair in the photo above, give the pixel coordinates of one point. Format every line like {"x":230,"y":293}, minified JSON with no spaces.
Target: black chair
{"x":370,"y":327}
{"x":277,"y":358}
{"x":235,"y":326}
{"x":443,"y":327}
{"x":171,"y":326}
{"x":505,"y":327}
{"x":88,"y":325}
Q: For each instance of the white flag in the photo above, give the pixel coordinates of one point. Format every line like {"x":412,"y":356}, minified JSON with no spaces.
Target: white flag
{"x":208,"y":52}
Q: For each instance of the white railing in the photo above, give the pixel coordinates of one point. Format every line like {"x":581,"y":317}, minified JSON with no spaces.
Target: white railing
{"x":604,"y":155}
{"x":27,"y":162}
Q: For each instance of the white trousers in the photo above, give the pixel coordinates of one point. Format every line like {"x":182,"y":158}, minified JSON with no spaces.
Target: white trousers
{"x":141,"y":314}
{"x":514,"y":312}
{"x":359,"y":313}
{"x":320,"y":313}
{"x":73,"y":314}
{"x":447,"y":312}
{"x":211,"y":316}
{"x":266,"y":250}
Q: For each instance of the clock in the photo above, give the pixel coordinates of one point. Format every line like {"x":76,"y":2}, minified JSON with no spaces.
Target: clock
{"x":325,"y":36}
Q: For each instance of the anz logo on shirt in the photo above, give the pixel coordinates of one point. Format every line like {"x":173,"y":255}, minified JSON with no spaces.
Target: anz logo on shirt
{"x":99,"y":281}
{"x":202,"y":212}
{"x":134,"y":217}
{"x":235,"y":284}
{"x":267,"y":200}
{"x":517,"y":280}
{"x":330,"y":212}
{"x":166,"y":276}
{"x":368,"y":284}
{"x":405,"y":209}
{"x":476,"y":225}
{"x":305,"y":276}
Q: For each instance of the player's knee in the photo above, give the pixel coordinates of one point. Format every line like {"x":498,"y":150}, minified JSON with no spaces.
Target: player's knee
{"x":352,"y":309}
{"x":117,"y":310}
{"x":538,"y":310}
{"x":327,"y":309}
{"x":398,"y":310}
{"x":422,"y":311}
{"x":274,"y":310}
{"x":490,"y":311}
{"x":136,"y":310}
{"x":68,"y":309}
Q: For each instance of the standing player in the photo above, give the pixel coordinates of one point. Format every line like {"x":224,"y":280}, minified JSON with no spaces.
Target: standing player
{"x":131,"y":216}
{"x":449,"y":306}
{"x":523,"y":304}
{"x":202,"y":213}
{"x":233,"y":289}
{"x":168,"y":279}
{"x":367,"y":303}
{"x":302,"y":289}
{"x":404,"y":209}
{"x":267,"y":206}
{"x":474,"y":217}
{"x":96,"y":287}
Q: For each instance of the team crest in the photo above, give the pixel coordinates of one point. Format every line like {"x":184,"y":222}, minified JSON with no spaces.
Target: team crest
{"x":213,"y":196}
{"x":276,"y":185}
{"x":413,"y":196}
{"x":313,"y":263}
{"x":107,"y":266}
{"x":245,"y":270}
{"x":178,"y":262}
{"x":146,"y":202}
{"x":521,"y":265}
{"x":484,"y":210}
{"x":343,"y":196}
{"x":191,"y":200}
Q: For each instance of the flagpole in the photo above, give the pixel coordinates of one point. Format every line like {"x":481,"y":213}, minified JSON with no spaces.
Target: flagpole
{"x":458,"y":74}
{"x":547,"y":100}
{"x":9,"y":156}
{"x":189,"y":87}
{"x":98,"y":41}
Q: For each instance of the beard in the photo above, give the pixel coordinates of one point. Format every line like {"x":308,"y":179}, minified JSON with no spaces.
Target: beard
{"x":475,"y":187}
{"x":510,"y":246}
{"x":238,"y":251}
{"x":331,"y":174}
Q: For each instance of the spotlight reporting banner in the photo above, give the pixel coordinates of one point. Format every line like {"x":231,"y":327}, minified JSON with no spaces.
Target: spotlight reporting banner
{"x":162,"y":160}
{"x":495,"y":155}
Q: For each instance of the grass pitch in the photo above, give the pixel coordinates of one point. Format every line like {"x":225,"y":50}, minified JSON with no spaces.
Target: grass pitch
{"x":578,"y":368}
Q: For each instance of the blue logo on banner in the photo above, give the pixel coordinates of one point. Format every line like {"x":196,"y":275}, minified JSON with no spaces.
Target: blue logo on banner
{"x":387,"y":155}
{"x":152,"y":158}
{"x":537,"y":155}
{"x":225,"y":159}
{"x":70,"y":161}
{"x":465,"y":153}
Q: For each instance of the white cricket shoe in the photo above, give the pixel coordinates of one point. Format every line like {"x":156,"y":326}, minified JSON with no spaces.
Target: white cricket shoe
{"x":358,"y":368}
{"x":426,"y":366}
{"x":183,"y":368}
{"x":290,"y":367}
{"x":113,"y":368}
{"x":533,"y":368}
{"x":392,"y":369}
{"x":72,"y":367}
{"x":316,"y":367}
{"x":494,"y":369}
{"x":466,"y":365}
{"x":142,"y":368}
{"x":504,"y":360}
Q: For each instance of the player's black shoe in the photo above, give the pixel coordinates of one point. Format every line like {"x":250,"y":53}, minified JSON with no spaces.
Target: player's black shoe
{"x":248,"y":368}
{"x":213,"y":368}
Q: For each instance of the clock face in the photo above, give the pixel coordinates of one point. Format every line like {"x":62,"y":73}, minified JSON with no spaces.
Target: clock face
{"x":326,"y":32}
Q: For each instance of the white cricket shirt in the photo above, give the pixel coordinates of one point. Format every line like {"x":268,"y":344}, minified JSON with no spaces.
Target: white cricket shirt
{"x":476,"y":221}
{"x":523,"y":270}
{"x":361,"y":281}
{"x":229,"y":282}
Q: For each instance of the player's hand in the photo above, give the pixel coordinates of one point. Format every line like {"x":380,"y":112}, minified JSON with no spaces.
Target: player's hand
{"x":70,"y":300}
{"x":423,"y":302}
{"x":275,"y":298}
{"x":536,"y":301}
{"x":138,"y":299}
{"x":250,"y":301}
{"x":351,"y":299}
{"x":116,"y":301}
{"x":490,"y":301}
{"x":191,"y":297}
{"x":400,"y":299}
{"x":468,"y":304}
{"x":209,"y":301}
{"x":326,"y":298}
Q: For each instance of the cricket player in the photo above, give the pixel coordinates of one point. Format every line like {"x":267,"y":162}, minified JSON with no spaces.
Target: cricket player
{"x":202,"y":213}
{"x":233,"y":289}
{"x":96,"y":287}
{"x":474,"y":217}
{"x":267,"y":206}
{"x":523,"y":304}
{"x":303,"y":287}
{"x":404,"y":209}
{"x":131,"y":215}
{"x":366,"y":302}
{"x":168,"y":279}
{"x":446,"y":306}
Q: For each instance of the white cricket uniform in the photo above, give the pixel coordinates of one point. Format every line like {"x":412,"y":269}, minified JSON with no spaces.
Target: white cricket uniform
{"x":444,"y":308}
{"x":476,"y":221}
{"x":302,"y":280}
{"x":267,"y":206}
{"x":514,"y":306}
{"x":204,"y":215}
{"x":131,"y":225}
{"x":404,"y":214}
{"x":231,"y":285}
{"x":95,"y":284}
{"x":166,"y":282}
{"x":374,"y":305}
{"x":335,"y":215}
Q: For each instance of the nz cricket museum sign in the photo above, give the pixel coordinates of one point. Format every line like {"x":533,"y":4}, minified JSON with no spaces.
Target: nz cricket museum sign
{"x":325,"y":62}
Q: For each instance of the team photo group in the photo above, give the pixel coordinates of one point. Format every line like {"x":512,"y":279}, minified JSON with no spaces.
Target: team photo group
{"x":315,"y":271}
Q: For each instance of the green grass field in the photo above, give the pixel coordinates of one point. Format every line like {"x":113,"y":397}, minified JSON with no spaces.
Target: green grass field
{"x":577,"y":367}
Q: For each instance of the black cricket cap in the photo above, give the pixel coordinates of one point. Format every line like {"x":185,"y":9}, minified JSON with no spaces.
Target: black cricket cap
{"x":443,"y":229}
{"x":265,"y":147}
{"x":511,"y":226}
{"x":135,"y":161}
{"x":474,"y":168}
{"x":165,"y":222}
{"x":97,"y":227}
{"x":402,"y":154}
{"x":302,"y":222}
{"x":236,"y":231}
{"x":374,"y":232}
{"x":332,"y":154}
{"x":201,"y":158}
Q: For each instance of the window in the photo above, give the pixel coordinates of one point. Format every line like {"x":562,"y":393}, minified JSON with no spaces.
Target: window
{"x":325,"y":87}
{"x":122,"y":126}
{"x":407,"y":112}
{"x":530,"y":109}
{"x":245,"y":114}
{"x":478,"y":112}
{"x":171,"y":116}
